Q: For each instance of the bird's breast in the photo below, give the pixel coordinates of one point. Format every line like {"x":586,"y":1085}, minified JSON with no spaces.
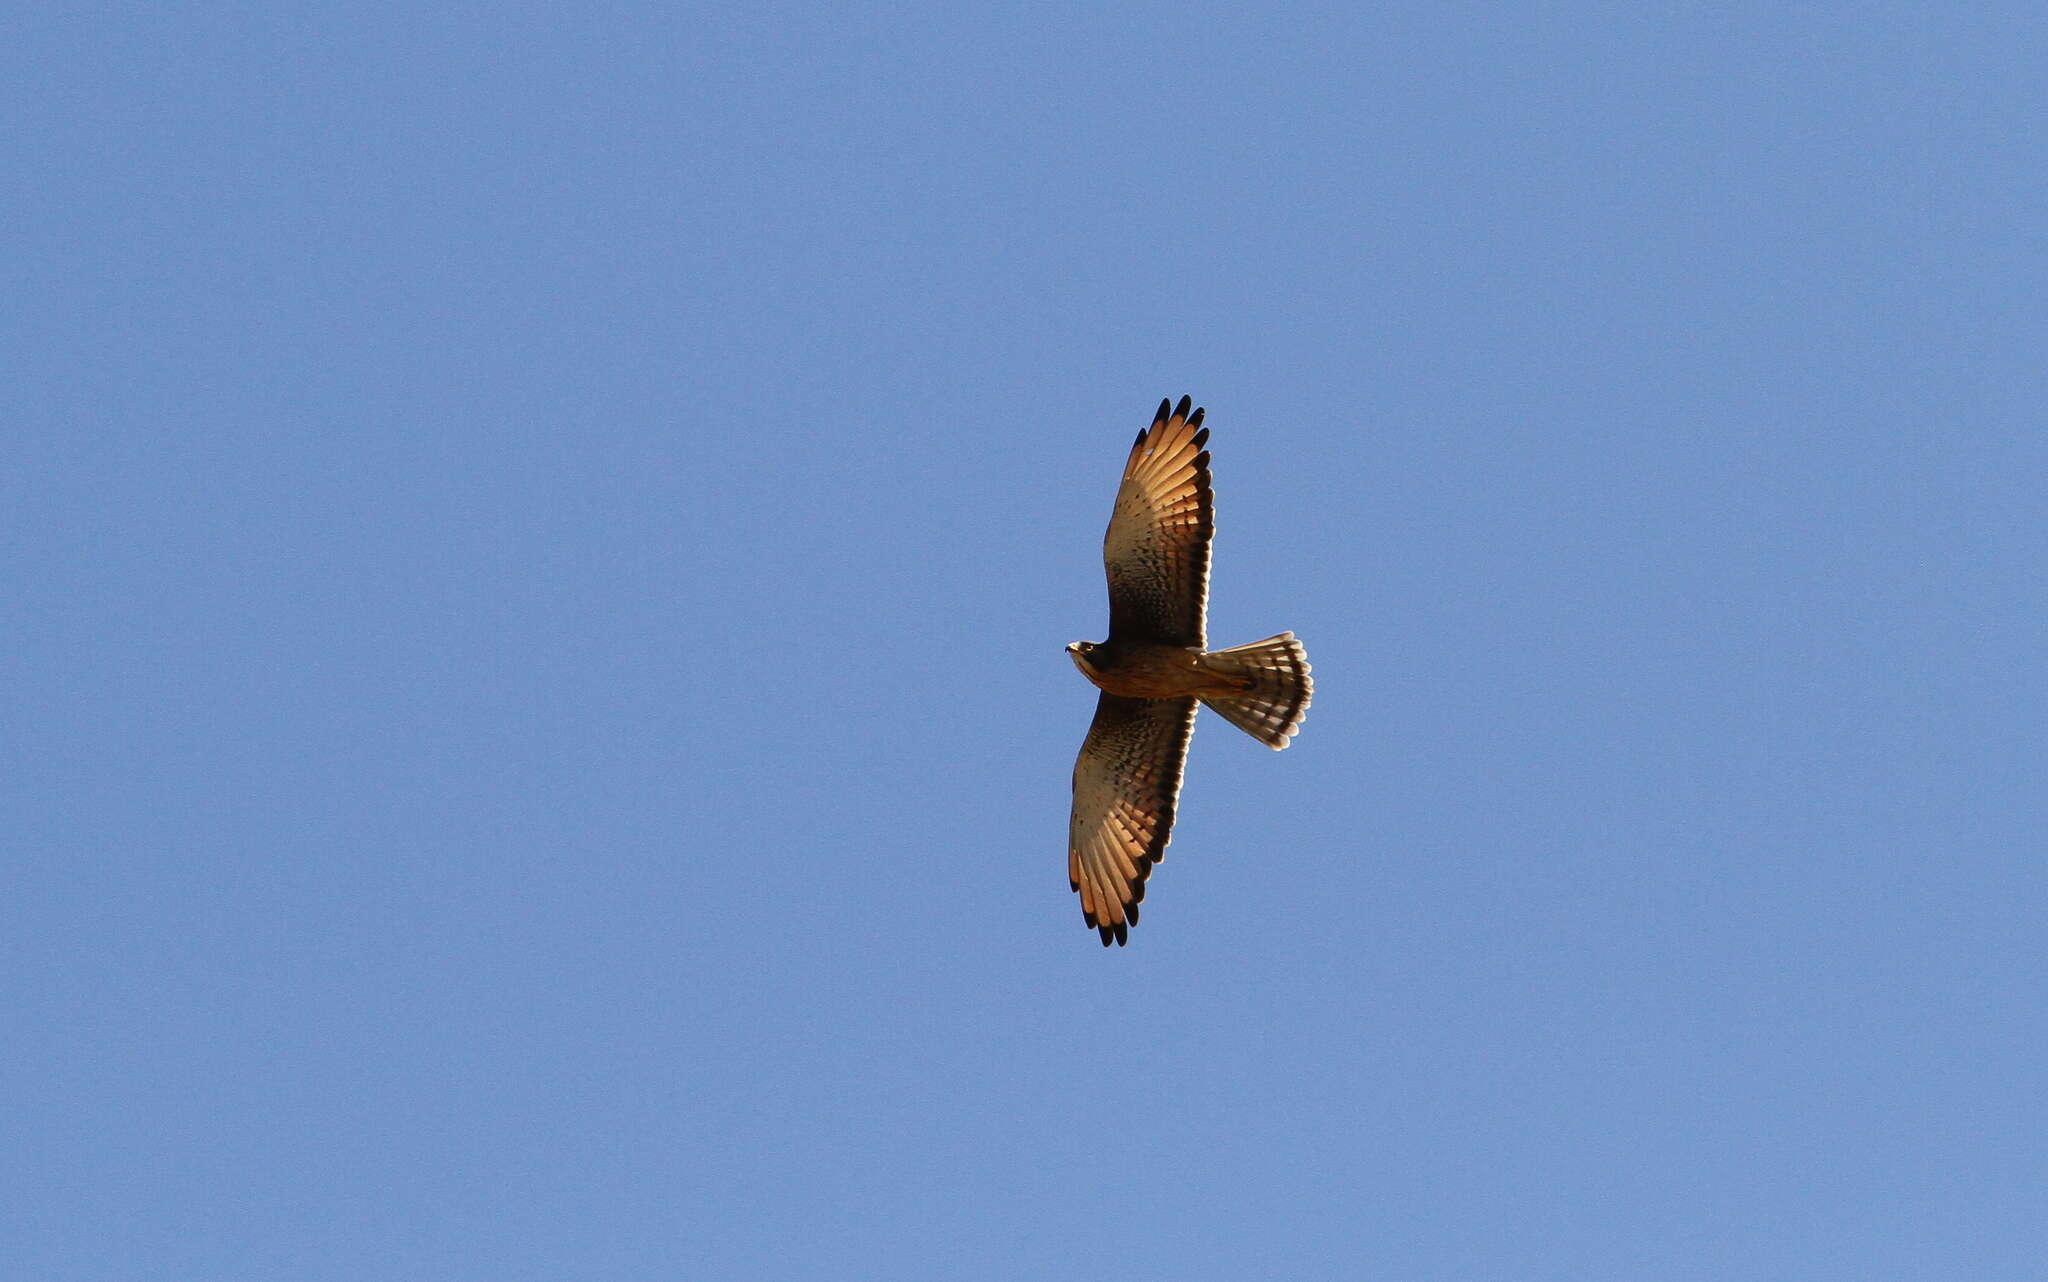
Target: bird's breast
{"x":1156,"y":672}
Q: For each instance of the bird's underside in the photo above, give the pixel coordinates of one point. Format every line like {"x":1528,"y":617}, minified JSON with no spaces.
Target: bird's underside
{"x":1144,"y":670}
{"x":1154,"y":671}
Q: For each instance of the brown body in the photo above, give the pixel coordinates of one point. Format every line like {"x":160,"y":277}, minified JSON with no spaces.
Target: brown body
{"x":1147,"y":670}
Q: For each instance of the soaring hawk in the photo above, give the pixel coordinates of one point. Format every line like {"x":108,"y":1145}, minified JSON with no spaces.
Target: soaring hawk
{"x":1154,"y":669}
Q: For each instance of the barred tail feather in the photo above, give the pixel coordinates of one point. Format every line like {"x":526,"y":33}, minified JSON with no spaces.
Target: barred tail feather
{"x":1273,"y":708}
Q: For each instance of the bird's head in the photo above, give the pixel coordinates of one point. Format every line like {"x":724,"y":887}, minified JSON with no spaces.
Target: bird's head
{"x":1083,"y":655}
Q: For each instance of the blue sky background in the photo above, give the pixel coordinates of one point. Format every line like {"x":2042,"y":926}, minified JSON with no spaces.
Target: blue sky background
{"x":538,"y":542}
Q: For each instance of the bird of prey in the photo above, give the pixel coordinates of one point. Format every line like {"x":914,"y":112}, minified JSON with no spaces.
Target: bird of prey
{"x":1154,"y":669}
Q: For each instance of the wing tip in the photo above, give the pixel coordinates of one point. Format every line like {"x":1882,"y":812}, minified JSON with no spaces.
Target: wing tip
{"x":1119,"y":930}
{"x":1186,"y":411}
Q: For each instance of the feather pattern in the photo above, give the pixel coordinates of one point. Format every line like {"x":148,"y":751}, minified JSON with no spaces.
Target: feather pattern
{"x":1126,"y":785}
{"x":1156,"y":550}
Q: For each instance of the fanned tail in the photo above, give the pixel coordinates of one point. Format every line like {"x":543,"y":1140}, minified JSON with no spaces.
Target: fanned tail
{"x":1273,"y":707}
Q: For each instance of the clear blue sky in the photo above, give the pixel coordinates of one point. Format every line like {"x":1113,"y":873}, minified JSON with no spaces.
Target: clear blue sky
{"x":538,"y":546}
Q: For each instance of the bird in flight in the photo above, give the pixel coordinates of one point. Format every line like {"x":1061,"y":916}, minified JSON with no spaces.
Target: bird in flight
{"x":1154,"y":669}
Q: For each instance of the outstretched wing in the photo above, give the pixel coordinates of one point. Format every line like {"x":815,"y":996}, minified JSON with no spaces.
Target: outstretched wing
{"x":1126,"y":783}
{"x":1157,"y":547}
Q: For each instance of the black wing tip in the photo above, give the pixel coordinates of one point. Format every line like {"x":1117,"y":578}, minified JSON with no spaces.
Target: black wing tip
{"x":1183,"y":411}
{"x":1120,"y":932}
